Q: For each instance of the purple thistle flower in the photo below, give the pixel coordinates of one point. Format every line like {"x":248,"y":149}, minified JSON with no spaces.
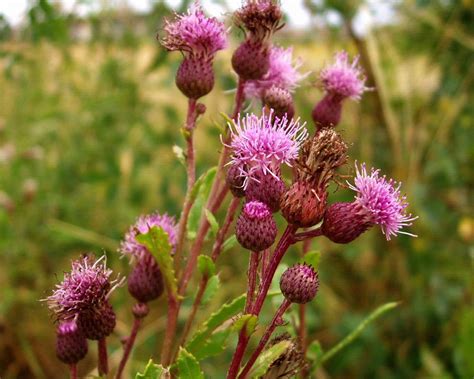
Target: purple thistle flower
{"x":262,"y":144}
{"x":195,"y":34}
{"x":84,"y":290}
{"x":130,"y":246}
{"x":344,"y":79}
{"x":283,"y":72}
{"x":381,"y":201}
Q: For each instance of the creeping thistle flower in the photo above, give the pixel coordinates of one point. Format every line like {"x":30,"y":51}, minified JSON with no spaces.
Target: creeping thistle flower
{"x":130,"y":246}
{"x":199,"y":38}
{"x":283,"y":73}
{"x":262,"y":144}
{"x":340,"y":80}
{"x":378,"y":202}
{"x":71,"y":344}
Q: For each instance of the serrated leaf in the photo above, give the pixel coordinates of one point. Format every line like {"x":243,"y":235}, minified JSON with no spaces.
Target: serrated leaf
{"x":229,"y":243}
{"x":224,"y":313}
{"x":153,"y":371}
{"x":206,"y":266}
{"x":215,"y":344}
{"x":157,"y":242}
{"x":248,"y":321}
{"x":312,"y":258}
{"x":188,"y":366}
{"x":212,"y":221}
{"x":358,"y":330}
{"x":267,"y":357}
{"x":212,"y":287}
{"x":198,"y":196}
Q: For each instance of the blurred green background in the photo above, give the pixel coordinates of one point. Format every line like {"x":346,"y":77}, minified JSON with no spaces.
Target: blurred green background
{"x":88,"y":118}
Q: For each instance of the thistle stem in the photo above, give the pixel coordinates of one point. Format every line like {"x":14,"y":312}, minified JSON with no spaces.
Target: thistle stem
{"x":172,"y":321}
{"x":302,"y":332}
{"x":73,"y":370}
{"x":252,"y":280}
{"x":103,"y":366}
{"x":216,"y":250}
{"x":128,"y":346}
{"x":191,"y":177}
{"x":308,"y":234}
{"x":276,"y":321}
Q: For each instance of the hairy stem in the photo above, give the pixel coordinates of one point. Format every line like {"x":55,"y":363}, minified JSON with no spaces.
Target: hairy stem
{"x":191,"y":177}
{"x":276,"y":321}
{"x":128,"y":347}
{"x":103,"y":366}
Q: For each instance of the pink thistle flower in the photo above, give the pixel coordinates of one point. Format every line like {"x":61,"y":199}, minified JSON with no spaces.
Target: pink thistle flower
{"x":130,"y":245}
{"x":283,"y":73}
{"x":262,"y":144}
{"x":344,"y":79}
{"x":84,"y":290}
{"x":195,"y":34}
{"x":381,"y":202}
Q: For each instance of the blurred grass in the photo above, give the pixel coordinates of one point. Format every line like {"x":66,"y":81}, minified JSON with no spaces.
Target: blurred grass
{"x":86,"y":136}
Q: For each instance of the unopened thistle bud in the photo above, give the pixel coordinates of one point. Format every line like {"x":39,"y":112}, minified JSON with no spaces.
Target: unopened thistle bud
{"x":299,"y":283}
{"x":235,"y":180}
{"x":97,"y":323}
{"x":267,"y":189}
{"x":195,"y":77}
{"x":145,"y":282}
{"x":71,"y":344}
{"x":378,"y":202}
{"x":140,"y":310}
{"x":327,"y":113}
{"x":256,"y":229}
{"x":281,"y":101}
{"x":251,"y":60}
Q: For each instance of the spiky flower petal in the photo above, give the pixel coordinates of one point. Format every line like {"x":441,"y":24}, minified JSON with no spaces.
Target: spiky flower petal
{"x":262,"y":144}
{"x":130,"y":245}
{"x":382,"y":201}
{"x":283,"y":72}
{"x":86,"y":288}
{"x":195,"y":34}
{"x":343,"y":78}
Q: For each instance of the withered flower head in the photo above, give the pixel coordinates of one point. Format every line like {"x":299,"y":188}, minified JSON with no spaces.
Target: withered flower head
{"x":260,"y":18}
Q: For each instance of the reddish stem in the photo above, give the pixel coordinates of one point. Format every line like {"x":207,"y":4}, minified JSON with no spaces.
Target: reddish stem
{"x":172,"y":320}
{"x":302,"y":332}
{"x":276,"y":321}
{"x":128,"y":347}
{"x":238,"y":354}
{"x":191,"y":177}
{"x":103,"y":366}
{"x":252,"y":280}
{"x":73,"y":371}
{"x":308,"y":234}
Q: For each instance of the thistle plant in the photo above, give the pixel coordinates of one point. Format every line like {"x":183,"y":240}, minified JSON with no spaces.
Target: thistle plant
{"x":261,"y":144}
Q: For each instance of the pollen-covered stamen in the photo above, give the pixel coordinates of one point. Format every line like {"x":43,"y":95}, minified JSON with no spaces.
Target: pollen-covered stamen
{"x":382,"y":201}
{"x":262,"y":144}
{"x":195,"y":34}
{"x":343,"y":78}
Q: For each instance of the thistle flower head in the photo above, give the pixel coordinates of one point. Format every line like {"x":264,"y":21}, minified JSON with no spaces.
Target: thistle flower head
{"x":261,"y":18}
{"x":256,"y":210}
{"x":283,"y":72}
{"x":343,"y":78}
{"x":195,"y":34}
{"x":381,"y":201}
{"x":130,"y":245}
{"x":85,"y":289}
{"x":299,"y":283}
{"x":262,"y":144}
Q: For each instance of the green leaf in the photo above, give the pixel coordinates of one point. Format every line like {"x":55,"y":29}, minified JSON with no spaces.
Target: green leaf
{"x":248,"y":321}
{"x":212,"y":287}
{"x":312,"y":258}
{"x":267,"y":357}
{"x":358,"y":330}
{"x":215,"y":344}
{"x":229,"y":243}
{"x":153,"y":371}
{"x":206,"y":266}
{"x":157,"y":242}
{"x":198,"y":196}
{"x":314,"y":354}
{"x":188,"y":366}
{"x":227,"y":311}
{"x":212,"y":221}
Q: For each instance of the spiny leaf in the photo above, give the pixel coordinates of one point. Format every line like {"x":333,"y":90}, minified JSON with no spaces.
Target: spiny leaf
{"x":224,"y":313}
{"x":212,"y":221}
{"x":212,"y":287}
{"x":358,"y":330}
{"x":215,"y":344}
{"x":312,"y":258}
{"x":198,"y":196}
{"x":157,"y":242}
{"x":248,"y":321}
{"x":153,"y":371}
{"x":206,"y":266}
{"x":188,"y":366}
{"x":267,"y":357}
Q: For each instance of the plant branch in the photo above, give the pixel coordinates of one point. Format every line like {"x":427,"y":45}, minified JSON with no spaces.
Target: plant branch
{"x":103,"y":366}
